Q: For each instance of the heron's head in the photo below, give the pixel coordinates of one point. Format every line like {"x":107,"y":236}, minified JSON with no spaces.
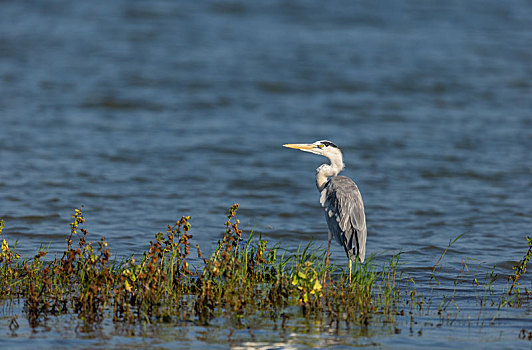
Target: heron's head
{"x":323,"y":148}
{"x":327,"y":149}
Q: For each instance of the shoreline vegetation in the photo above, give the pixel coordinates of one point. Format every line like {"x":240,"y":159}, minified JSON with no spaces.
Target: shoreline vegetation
{"x":243,"y":278}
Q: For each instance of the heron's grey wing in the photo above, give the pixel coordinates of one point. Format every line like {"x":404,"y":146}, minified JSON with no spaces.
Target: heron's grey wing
{"x":344,"y":211}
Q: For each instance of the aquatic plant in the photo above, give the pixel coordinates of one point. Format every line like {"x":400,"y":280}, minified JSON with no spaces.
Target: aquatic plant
{"x":8,"y":260}
{"x":513,"y":295}
{"x":241,"y":278}
{"x":520,"y":268}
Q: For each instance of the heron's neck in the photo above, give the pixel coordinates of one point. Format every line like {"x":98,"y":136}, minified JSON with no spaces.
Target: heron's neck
{"x":325,"y":171}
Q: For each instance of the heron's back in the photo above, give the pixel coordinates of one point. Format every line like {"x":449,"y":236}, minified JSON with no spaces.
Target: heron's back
{"x":344,"y":211}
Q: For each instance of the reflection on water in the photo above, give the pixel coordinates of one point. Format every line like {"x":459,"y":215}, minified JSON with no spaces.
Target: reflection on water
{"x":144,"y":112}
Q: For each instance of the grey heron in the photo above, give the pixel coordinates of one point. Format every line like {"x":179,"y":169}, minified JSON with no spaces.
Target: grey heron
{"x":342,"y":201}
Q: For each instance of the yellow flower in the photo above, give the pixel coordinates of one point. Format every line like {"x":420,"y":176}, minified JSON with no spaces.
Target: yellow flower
{"x":316,"y":288}
{"x":128,"y":286}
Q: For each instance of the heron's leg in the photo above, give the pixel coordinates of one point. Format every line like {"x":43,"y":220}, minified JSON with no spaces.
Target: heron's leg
{"x":350,"y":267}
{"x":327,"y":258}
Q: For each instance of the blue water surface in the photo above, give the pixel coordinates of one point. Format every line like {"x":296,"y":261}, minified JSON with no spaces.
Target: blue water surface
{"x":146,"y":111}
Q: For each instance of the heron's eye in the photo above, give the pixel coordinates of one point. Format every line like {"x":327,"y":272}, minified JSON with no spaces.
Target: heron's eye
{"x":320,"y":146}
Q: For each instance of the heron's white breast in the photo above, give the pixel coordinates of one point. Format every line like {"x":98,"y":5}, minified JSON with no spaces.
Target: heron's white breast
{"x":323,"y":196}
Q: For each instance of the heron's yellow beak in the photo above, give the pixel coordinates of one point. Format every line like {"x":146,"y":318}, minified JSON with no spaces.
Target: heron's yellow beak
{"x":301,"y":146}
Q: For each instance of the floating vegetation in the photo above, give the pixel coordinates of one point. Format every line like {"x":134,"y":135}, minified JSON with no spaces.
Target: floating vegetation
{"x":244,"y":278}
